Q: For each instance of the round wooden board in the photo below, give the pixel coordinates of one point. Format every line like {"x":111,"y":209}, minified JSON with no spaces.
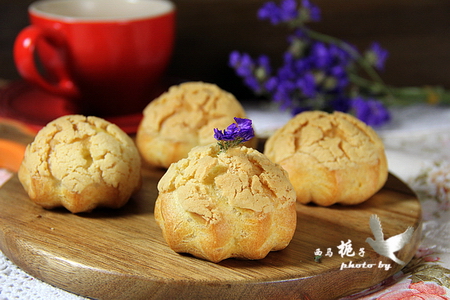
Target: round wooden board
{"x":120,"y":254}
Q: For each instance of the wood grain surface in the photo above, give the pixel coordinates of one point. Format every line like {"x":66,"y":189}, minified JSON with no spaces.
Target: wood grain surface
{"x":120,"y":254}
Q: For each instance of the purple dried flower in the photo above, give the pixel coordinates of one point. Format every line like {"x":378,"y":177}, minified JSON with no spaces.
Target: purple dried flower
{"x":377,"y":56}
{"x":310,"y":80}
{"x":370,"y":111}
{"x":271,"y":12}
{"x":236,"y":133}
{"x":252,"y":72}
{"x":264,"y":64}
{"x":307,"y":85}
{"x":252,"y":82}
{"x":242,"y":63}
{"x":228,"y":134}
{"x":289,"y":10}
{"x":320,"y":55}
{"x":245,"y":129}
{"x":286,"y":12}
{"x":318,"y":72}
{"x":313,"y":10}
{"x":234,"y":59}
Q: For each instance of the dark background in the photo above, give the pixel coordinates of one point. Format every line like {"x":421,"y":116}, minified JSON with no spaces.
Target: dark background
{"x":416,"y":33}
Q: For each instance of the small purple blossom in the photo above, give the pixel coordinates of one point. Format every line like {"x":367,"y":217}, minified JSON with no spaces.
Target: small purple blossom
{"x":286,"y":12}
{"x":377,"y":55}
{"x":320,"y":55}
{"x":235,"y":134}
{"x":307,"y":85}
{"x":253,"y":72}
{"x":228,"y":134}
{"x":263,"y":63}
{"x":242,"y":63}
{"x":370,"y":111}
{"x":270,"y":11}
{"x":313,"y":10}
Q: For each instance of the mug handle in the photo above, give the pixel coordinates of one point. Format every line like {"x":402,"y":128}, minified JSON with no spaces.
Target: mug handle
{"x":24,"y":58}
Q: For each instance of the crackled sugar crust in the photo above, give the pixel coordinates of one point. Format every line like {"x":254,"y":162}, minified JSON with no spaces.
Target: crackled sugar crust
{"x":330,"y":158}
{"x":182,"y":118}
{"x":80,"y":163}
{"x":235,"y":203}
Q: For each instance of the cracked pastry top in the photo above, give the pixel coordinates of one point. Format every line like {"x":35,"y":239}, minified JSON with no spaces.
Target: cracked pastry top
{"x":330,"y":158}
{"x":219,"y":204}
{"x":81,"y":163}
{"x":182,"y":118}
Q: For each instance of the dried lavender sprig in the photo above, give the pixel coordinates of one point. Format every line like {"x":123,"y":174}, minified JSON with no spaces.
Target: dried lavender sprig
{"x":235,"y":134}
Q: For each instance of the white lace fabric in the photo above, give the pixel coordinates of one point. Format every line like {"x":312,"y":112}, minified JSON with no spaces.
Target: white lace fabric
{"x":16,"y":284}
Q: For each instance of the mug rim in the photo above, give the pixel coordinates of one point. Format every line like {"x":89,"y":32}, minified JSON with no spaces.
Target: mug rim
{"x":35,"y":9}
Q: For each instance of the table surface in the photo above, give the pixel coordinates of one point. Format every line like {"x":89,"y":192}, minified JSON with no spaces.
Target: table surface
{"x":417,"y":145}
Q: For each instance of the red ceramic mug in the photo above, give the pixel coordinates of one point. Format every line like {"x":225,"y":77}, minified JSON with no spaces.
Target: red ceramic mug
{"x":107,"y":56}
